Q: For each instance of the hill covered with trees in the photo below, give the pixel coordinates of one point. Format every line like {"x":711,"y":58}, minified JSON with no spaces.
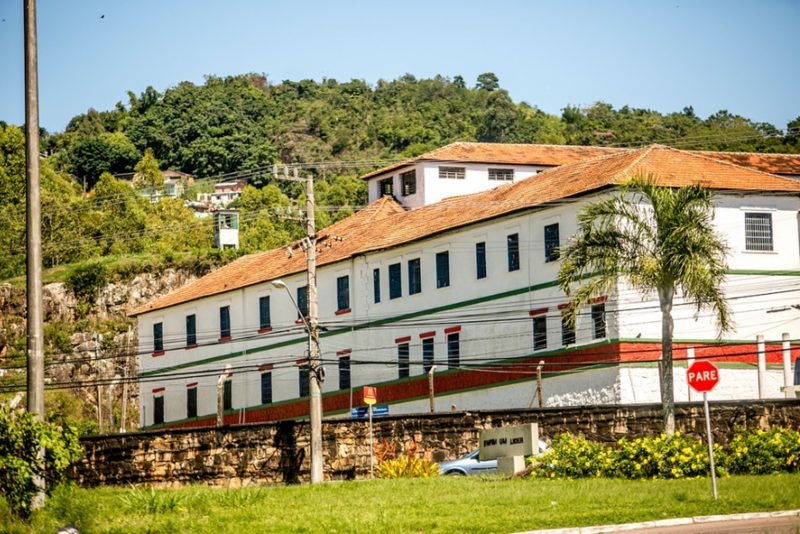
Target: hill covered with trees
{"x":240,"y":126}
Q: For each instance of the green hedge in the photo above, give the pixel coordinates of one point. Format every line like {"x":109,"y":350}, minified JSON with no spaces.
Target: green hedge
{"x":754,"y":452}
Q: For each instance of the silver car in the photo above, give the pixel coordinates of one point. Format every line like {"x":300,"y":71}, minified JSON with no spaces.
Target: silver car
{"x":469,"y":464}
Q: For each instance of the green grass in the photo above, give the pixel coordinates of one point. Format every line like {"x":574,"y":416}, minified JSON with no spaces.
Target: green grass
{"x":448,"y":504}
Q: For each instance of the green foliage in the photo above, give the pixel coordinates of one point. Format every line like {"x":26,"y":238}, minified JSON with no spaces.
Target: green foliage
{"x":764,"y":451}
{"x":147,"y":172}
{"x":21,"y":437}
{"x":91,"y":156}
{"x":152,"y":501}
{"x":86,"y":280}
{"x":408,"y":467}
{"x":756,"y":452}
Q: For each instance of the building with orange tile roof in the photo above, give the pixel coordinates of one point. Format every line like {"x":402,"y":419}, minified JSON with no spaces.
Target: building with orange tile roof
{"x":467,"y":284}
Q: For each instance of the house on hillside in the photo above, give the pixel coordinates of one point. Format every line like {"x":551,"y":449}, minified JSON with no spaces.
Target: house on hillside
{"x":175,"y":184}
{"x":467,"y":284}
{"x":465,"y":168}
{"x":224,"y":194}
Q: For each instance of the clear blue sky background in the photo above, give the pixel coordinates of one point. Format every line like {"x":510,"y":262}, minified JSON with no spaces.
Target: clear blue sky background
{"x":663,"y":55}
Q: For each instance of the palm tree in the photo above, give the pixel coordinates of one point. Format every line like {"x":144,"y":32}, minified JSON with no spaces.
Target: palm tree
{"x":658,"y":239}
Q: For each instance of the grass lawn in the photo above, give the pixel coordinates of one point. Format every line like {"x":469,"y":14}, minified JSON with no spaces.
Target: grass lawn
{"x":447,"y":504}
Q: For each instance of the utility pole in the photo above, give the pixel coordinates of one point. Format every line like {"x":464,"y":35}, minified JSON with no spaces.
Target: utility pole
{"x":123,"y":416}
{"x":99,"y":387}
{"x":33,"y":226}
{"x":539,"y":383}
{"x":314,"y":368}
{"x":431,"y":393}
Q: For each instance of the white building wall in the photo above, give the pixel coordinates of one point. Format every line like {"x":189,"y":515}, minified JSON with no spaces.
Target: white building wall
{"x":496,"y":325}
{"x":431,"y":189}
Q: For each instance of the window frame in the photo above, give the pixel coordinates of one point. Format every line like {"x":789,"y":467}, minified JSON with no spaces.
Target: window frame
{"x":395,"y":281}
{"x":415,"y":276}
{"x":568,"y":334}
{"x":266,"y":393}
{"x":302,"y":302}
{"x":452,"y":173}
{"x":191,"y":330}
{"x":403,"y":360}
{"x":227,"y":395}
{"x":304,"y":375}
{"x":191,"y":401}
{"x":428,"y":354}
{"x":481,"y":271}
{"x":382,"y":187}
{"x":512,"y":250}
{"x":345,"y":378}
{"x":376,"y":285}
{"x":158,"y":337}
{"x":158,"y":409}
{"x":408,"y":183}
{"x":225,"y":322}
{"x":753,"y":242}
{"x":599,"y":324}
{"x":551,"y":242}
{"x":343,"y":292}
{"x":539,"y":327}
{"x":443,"y":269}
{"x":497,"y":171}
{"x":264,"y":313}
{"x":453,"y":350}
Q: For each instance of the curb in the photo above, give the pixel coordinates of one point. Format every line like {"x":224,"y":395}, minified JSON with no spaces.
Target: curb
{"x":699,"y":520}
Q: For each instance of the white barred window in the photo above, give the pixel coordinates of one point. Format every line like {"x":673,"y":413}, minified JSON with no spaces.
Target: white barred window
{"x":452,"y":173}
{"x":758,"y":231}
{"x":501,"y":174}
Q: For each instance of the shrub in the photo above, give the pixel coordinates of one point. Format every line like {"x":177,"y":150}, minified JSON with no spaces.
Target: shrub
{"x":408,"y":465}
{"x":572,"y":457}
{"x":660,"y":457}
{"x":85,"y":280}
{"x":761,"y":452}
{"x":21,"y":437}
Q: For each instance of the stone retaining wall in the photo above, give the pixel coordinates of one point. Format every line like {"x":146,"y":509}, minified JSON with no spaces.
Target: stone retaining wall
{"x":278,"y":452}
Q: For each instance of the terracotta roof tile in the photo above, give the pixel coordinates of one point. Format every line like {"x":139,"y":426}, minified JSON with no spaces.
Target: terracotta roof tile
{"x":504,"y":153}
{"x":384,"y":223}
{"x":772,"y":163}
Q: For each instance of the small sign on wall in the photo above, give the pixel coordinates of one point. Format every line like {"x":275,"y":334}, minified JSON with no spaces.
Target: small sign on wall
{"x":517,"y":440}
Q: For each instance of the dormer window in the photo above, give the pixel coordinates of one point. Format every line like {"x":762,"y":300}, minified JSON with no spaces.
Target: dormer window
{"x":409,"y":181}
{"x":504,"y":175}
{"x":452,"y":173}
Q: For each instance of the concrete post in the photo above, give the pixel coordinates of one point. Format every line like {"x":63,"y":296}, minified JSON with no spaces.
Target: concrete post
{"x":762,"y":367}
{"x":787,"y":366}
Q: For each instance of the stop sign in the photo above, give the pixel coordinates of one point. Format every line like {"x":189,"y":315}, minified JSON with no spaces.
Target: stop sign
{"x":702,"y":376}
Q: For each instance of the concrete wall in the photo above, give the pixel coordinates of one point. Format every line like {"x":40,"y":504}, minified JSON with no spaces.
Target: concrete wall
{"x":278,"y":452}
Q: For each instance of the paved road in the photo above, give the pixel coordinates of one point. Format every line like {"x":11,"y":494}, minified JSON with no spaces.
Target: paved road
{"x":771,"y":525}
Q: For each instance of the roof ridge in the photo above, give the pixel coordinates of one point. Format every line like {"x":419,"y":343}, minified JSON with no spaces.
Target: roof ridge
{"x":644,"y":152}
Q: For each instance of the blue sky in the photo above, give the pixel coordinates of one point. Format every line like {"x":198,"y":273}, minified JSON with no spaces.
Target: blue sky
{"x":734,"y":55}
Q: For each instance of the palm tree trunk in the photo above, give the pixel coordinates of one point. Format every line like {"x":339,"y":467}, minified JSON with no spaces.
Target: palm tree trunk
{"x":665,"y":295}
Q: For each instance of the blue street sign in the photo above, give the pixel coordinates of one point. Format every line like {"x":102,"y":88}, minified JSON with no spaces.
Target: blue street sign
{"x":362,"y":412}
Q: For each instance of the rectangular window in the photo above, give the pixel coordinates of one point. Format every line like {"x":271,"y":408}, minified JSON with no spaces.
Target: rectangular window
{"x":452,"y":173}
{"x":403,"y":360}
{"x":427,"y":354}
{"x":376,"y":285}
{"x":386,"y":186}
{"x":191,"y":330}
{"x":599,"y":321}
{"x":567,"y":333}
{"x":344,"y":372}
{"x":266,"y":388}
{"x":453,"y":350}
{"x":513,"y":252}
{"x":191,"y":402}
{"x":225,"y":322}
{"x":540,"y":333}
{"x":158,"y":337}
{"x":758,"y":231}
{"x":158,"y":409}
{"x":409,"y":181}
{"x":442,"y":269}
{"x":501,"y":174}
{"x":227,"y":395}
{"x":303,"y":380}
{"x":480,"y":259}
{"x":264,"y":319}
{"x":343,"y":292}
{"x":302,"y":301}
{"x":395,"y":281}
{"x":551,"y":242}
{"x":414,"y":277}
